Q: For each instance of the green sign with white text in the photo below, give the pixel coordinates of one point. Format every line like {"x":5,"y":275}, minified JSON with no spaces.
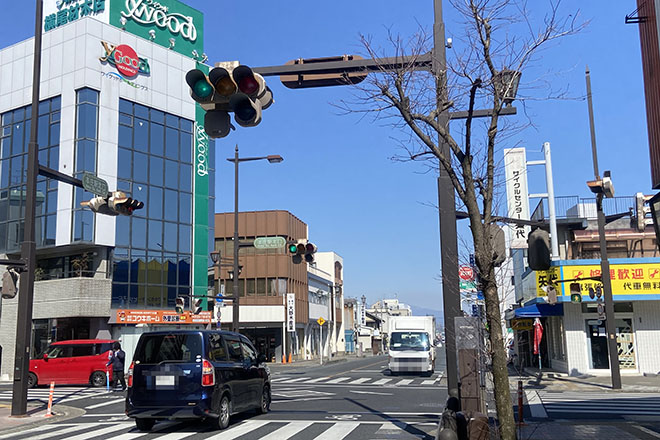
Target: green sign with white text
{"x":161,"y":21}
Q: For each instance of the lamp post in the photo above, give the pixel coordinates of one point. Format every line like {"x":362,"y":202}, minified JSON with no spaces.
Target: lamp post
{"x":236,"y":160}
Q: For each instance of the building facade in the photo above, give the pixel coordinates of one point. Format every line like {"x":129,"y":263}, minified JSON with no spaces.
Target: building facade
{"x":113,"y":103}
{"x":574,"y":338}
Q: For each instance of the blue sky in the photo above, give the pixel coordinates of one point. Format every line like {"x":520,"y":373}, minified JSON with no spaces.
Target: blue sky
{"x":337,"y":176}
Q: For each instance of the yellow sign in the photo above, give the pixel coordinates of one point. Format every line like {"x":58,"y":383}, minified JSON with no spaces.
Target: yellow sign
{"x":627,"y":279}
{"x":522,"y":324}
{"x":321,"y":321}
{"x":544,"y":277}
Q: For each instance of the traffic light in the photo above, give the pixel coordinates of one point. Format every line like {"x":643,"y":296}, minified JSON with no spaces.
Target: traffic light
{"x":197,"y":306}
{"x":551,"y":292}
{"x":10,"y":283}
{"x":229,"y":89}
{"x":642,"y":211}
{"x":115,"y":204}
{"x":179,"y":304}
{"x":302,"y":250}
{"x":576,"y":293}
{"x":122,"y":204}
{"x":538,"y":253}
{"x":310,"y":250}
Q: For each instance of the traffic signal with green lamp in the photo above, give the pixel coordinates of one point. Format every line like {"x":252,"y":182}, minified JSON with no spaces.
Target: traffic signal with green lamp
{"x":229,"y":89}
{"x":302,"y":250}
{"x":179,"y":304}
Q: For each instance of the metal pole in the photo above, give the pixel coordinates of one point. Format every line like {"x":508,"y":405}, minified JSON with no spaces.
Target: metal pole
{"x":447,"y":210}
{"x":554,"y":241}
{"x":321,"y":343}
{"x":28,"y":248}
{"x":610,"y":326}
{"x":236,"y":295}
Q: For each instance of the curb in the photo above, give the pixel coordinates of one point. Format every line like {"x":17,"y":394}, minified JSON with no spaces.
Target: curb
{"x":60,"y":413}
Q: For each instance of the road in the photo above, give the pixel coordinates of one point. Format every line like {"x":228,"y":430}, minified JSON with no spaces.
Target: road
{"x":354,"y":399}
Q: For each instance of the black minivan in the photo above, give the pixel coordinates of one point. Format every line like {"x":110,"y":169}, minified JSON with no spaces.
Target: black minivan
{"x":195,"y":374}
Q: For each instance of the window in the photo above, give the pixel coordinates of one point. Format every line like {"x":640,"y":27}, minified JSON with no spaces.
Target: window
{"x":248,"y":351}
{"x":156,"y":148}
{"x":79,"y":350}
{"x":234,"y":348}
{"x":59,"y":351}
{"x":169,"y":348}
{"x":217,"y":349}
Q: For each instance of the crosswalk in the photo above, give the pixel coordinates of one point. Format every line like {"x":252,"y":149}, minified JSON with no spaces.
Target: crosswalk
{"x":600,"y":405}
{"x":246,"y":430}
{"x":352,"y":380}
{"x":60,"y":395}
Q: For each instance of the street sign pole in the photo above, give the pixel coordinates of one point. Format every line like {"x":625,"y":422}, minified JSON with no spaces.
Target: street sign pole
{"x":321,"y":342}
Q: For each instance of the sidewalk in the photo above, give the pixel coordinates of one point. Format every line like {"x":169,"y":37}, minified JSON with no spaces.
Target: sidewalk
{"x":36,"y":415}
{"x":581,"y":430}
{"x":554,"y":381}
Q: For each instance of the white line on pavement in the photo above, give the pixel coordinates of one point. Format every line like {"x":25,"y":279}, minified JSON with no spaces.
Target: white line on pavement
{"x":239,"y":430}
{"x":382,"y":381}
{"x":111,"y":402}
{"x":535,"y":404}
{"x":337,"y":380}
{"x":100,"y":432}
{"x":286,"y":431}
{"x":297,"y":379}
{"x":318,"y":379}
{"x":338,"y":431}
{"x":648,"y":431}
{"x":360,"y":380}
{"x":404,"y":382}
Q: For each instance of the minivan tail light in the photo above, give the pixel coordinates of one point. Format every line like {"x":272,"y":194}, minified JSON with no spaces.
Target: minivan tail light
{"x":208,"y":373}
{"x":129,"y":378}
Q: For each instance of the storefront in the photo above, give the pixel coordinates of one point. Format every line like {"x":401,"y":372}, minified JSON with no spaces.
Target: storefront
{"x":574,"y":341}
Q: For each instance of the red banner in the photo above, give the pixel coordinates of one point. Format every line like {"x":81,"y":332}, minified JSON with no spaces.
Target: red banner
{"x":131,"y":316}
{"x":538,"y":335}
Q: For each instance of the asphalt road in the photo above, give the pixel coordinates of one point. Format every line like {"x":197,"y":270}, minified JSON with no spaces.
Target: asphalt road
{"x":354,"y":399}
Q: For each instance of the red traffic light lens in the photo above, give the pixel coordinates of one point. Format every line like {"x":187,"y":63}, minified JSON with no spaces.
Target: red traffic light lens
{"x":309,"y":248}
{"x":248,"y":85}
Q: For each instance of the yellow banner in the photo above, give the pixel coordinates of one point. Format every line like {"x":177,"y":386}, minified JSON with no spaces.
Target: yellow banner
{"x":627,"y":279}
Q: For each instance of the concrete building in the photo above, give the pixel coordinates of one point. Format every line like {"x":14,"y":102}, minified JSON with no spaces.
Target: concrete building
{"x":268,"y":275}
{"x":114,"y":103}
{"x":574,"y":338}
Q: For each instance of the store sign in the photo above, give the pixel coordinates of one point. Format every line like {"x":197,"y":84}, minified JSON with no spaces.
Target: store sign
{"x":363,"y":315}
{"x":124,"y":59}
{"x":169,"y":23}
{"x":517,"y":194}
{"x":627,"y":279}
{"x":131,"y":316}
{"x":60,"y":12}
{"x":291,"y":312}
{"x":545,"y":277}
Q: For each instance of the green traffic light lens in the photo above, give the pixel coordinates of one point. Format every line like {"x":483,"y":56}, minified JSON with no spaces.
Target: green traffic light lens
{"x":293,"y":248}
{"x":202,"y":89}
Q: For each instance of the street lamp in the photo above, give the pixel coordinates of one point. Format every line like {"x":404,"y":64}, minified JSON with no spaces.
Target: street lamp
{"x":273,"y":158}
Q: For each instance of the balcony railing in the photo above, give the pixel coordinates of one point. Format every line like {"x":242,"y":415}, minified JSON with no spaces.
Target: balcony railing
{"x":567,"y":207}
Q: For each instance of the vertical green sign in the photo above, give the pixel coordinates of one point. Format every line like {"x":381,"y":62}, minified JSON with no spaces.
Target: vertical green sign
{"x":168,"y":23}
{"x":200,"y":203}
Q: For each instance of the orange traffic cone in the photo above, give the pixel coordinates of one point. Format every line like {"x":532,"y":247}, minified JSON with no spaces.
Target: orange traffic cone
{"x":289,"y":357}
{"x":284,"y":359}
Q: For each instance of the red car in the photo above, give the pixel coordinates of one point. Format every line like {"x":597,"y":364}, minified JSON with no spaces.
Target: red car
{"x":80,"y":361}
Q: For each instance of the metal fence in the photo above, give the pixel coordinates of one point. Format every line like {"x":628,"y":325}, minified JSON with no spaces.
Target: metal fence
{"x":576,"y":207}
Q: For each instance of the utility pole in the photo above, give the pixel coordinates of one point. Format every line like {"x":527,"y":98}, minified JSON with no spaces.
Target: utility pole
{"x":235,"y":326}
{"x":446,"y":209}
{"x":610,"y":326}
{"x":28,"y":248}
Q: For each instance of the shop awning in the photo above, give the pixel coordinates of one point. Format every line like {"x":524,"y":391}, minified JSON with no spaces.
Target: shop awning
{"x":539,"y":310}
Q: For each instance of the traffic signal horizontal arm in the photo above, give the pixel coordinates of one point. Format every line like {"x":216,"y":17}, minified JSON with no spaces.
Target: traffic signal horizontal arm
{"x":54,"y":174}
{"x":420,"y":62}
{"x":19,"y":264}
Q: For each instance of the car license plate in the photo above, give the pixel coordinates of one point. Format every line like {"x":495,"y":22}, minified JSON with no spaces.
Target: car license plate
{"x":164,"y":381}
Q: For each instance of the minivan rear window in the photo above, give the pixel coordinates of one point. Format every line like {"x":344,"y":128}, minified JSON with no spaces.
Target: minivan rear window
{"x":169,"y":348}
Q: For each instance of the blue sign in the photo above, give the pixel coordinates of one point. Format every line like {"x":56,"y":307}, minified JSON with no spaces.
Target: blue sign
{"x":219,"y":297}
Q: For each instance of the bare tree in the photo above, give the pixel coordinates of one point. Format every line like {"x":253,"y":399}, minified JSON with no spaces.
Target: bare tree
{"x":499,"y":37}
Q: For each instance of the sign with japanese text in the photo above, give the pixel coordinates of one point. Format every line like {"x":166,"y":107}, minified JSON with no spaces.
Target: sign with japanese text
{"x":517,"y":194}
{"x":131,"y":316}
{"x":291,"y":312}
{"x":544,"y":277}
{"x":60,"y":12}
{"x":363,"y":315}
{"x":627,"y":279}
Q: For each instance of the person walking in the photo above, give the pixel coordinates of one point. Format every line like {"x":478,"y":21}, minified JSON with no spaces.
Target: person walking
{"x":117,"y":362}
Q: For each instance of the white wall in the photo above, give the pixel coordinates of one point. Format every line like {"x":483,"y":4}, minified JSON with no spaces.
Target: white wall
{"x":646,"y":324}
{"x":576,"y":339}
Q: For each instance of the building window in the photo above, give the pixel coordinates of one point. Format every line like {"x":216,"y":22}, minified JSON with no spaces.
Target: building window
{"x":85,"y":158}
{"x":14,"y":137}
{"x":151,"y":263}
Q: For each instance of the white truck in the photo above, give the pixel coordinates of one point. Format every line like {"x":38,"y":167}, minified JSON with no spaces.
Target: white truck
{"x":411,"y":344}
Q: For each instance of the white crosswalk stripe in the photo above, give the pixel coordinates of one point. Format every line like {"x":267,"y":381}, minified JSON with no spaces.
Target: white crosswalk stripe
{"x":60,"y":395}
{"x":608,"y":404}
{"x":355,"y":380}
{"x":268,"y":430}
